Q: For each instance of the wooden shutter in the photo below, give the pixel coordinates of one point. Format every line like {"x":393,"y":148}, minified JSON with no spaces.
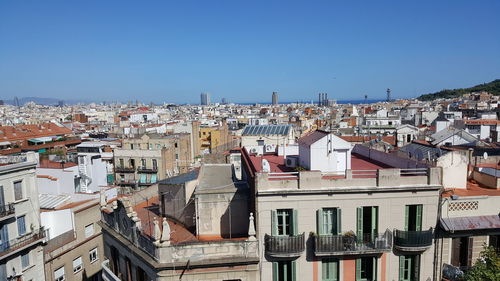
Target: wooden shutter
{"x":470,"y":246}
{"x":407,"y":214}
{"x":375,"y":273}
{"x":295,"y":218}
{"x":358,"y":269}
{"x":359,"y":229}
{"x":455,"y":251}
{"x":401,"y":267}
{"x":418,"y":227}
{"x":274,"y":223}
{"x":319,"y":221}
{"x":275,"y":271}
{"x":339,"y":222}
{"x":374,"y":229}
{"x":416,"y":268}
{"x":294,"y":269}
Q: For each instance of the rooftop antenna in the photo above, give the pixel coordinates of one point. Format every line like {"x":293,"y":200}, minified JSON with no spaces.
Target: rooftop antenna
{"x":388,"y":94}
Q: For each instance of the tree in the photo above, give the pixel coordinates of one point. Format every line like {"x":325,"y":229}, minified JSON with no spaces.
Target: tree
{"x":487,"y":266}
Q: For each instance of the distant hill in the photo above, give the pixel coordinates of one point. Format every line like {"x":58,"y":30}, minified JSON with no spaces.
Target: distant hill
{"x":492,"y":87}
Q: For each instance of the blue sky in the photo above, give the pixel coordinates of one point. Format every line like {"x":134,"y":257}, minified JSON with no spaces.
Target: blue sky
{"x":244,"y":50}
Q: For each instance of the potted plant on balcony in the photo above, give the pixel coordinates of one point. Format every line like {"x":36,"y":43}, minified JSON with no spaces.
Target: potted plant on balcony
{"x":348,"y":239}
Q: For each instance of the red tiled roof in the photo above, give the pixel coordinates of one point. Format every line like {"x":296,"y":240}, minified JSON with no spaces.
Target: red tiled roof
{"x":482,"y":122}
{"x":23,"y":132}
{"x":47,"y":164}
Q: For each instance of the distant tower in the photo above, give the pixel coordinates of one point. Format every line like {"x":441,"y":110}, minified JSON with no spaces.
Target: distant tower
{"x":60,"y":103}
{"x":16,"y":101}
{"x":275,"y":98}
{"x":205,"y":99}
{"x":388,"y":94}
{"x":323,"y":99}
{"x":366,"y":99}
{"x":224,"y":101}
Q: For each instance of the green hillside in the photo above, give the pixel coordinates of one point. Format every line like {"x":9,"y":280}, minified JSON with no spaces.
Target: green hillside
{"x":492,"y":87}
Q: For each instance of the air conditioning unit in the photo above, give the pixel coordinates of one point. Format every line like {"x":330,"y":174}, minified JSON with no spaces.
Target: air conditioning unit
{"x":254,"y":151}
{"x":270,"y":148}
{"x":291,"y":162}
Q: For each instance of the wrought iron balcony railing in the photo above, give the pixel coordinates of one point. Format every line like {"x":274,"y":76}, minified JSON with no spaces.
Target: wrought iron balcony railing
{"x":12,"y":245}
{"x":6,"y":210}
{"x":413,"y":240}
{"x":124,"y":169}
{"x":284,"y":246}
{"x":331,"y":245}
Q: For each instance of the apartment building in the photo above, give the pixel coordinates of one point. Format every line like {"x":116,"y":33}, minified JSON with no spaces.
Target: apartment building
{"x":195,"y":226}
{"x":468,"y":221}
{"x":21,"y":234}
{"x":75,"y":248}
{"x":373,"y":221}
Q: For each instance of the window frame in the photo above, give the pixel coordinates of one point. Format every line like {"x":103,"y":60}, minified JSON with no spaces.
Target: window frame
{"x":330,"y":265}
{"x":18,"y":187}
{"x":18,"y":219}
{"x":61,"y":277}
{"x":23,"y":261}
{"x":93,"y":255}
{"x":78,"y":267}
{"x":87,"y":235}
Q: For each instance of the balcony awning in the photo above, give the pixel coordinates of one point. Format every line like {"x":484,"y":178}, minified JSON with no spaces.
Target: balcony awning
{"x":470,"y":223}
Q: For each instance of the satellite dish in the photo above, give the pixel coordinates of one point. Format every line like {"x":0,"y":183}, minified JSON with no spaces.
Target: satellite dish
{"x":266,"y":168}
{"x":485,"y":155}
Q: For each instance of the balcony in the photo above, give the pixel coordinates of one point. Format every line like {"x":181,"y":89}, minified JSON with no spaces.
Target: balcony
{"x":15,"y":245}
{"x":337,"y":245}
{"x":7,"y":211}
{"x":107,"y":273}
{"x":153,"y":170}
{"x":284,"y":246}
{"x":413,"y":241}
{"x":126,"y":182}
{"x":124,"y":169}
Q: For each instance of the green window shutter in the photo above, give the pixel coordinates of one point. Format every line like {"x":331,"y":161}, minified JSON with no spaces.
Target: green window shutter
{"x":375,"y":273}
{"x":319,"y":221}
{"x":407,"y":214}
{"x":295,"y":219}
{"x":274,"y":223}
{"x":294,"y":269}
{"x":358,"y":269}
{"x":359,"y":228}
{"x":339,"y":221}
{"x":416,"y":268}
{"x":275,"y":271}
{"x":374,"y":221}
{"x":401,"y":267}
{"x":419,"y":218}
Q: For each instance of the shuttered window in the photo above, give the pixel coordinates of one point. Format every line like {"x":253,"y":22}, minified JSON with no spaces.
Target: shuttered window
{"x":330,"y":269}
{"x":284,"y":271}
{"x":18,"y":190}
{"x":328,"y":221}
{"x":366,"y":269}
{"x":409,"y":268}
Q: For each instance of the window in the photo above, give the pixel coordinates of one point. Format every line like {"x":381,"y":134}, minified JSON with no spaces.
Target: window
{"x":93,"y":255}
{"x":413,"y":217}
{"x":367,"y":223}
{"x":284,"y":222}
{"x":366,"y":269}
{"x":131,"y":146}
{"x":21,"y":225}
{"x":143,"y":178}
{"x":25,"y":260}
{"x":175,"y":145}
{"x":121,"y":163}
{"x":18,"y":190}
{"x":330,"y":270}
{"x":150,"y":146}
{"x":409,"y":268}
{"x":260,"y":142}
{"x":284,"y":271}
{"x":461,"y":251}
{"x":176,"y":156}
{"x":143,"y":163}
{"x":153,"y":178}
{"x":89,"y":230}
{"x":77,"y":265}
{"x":158,"y":146}
{"x":59,"y":274}
{"x":155,"y":164}
{"x":328,"y":221}
{"x":132,"y":163}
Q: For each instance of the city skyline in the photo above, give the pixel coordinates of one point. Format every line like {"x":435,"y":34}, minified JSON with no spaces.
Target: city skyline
{"x":172,"y":52}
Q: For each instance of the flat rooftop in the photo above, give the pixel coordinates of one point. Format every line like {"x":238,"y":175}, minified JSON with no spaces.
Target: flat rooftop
{"x":473,"y":189}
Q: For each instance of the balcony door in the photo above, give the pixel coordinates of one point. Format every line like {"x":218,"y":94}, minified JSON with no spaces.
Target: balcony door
{"x":284,"y":222}
{"x":4,"y":237}
{"x":409,"y":268}
{"x":366,"y":269}
{"x":284,"y":271}
{"x":367,"y":223}
{"x":413,"y":218}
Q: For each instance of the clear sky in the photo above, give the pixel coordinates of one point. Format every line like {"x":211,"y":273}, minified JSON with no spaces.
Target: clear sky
{"x":243,"y":50}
